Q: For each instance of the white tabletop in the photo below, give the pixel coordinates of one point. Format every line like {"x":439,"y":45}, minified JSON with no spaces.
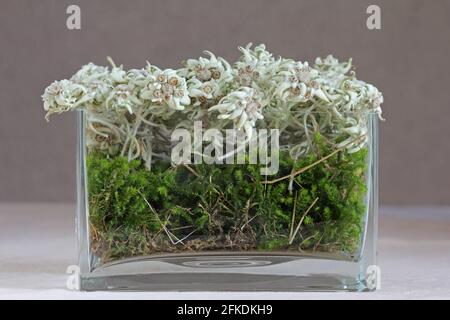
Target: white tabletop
{"x":37,"y":244}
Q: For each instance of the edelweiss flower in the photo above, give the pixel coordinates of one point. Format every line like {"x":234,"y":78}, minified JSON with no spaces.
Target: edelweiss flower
{"x":297,"y":98}
{"x":241,"y":106}
{"x":246,"y":74}
{"x":353,"y":132}
{"x":299,"y":83}
{"x":63,"y":96}
{"x":256,"y":67}
{"x":102,"y":138}
{"x":123,"y":97}
{"x":138,"y":77}
{"x":117,"y":75}
{"x":328,"y":62}
{"x":205,"y":69}
{"x":96,"y":80}
{"x":374,"y":97}
{"x":89,"y":73}
{"x":166,"y":88}
{"x":359,"y":95}
{"x":332,"y":72}
{"x":203,"y":91}
{"x":207,"y":77}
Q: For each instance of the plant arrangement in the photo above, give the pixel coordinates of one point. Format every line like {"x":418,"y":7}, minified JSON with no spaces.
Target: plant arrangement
{"x":141,"y":202}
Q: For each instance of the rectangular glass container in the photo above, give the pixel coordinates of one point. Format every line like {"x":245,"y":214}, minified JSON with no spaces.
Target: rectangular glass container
{"x":300,"y":260}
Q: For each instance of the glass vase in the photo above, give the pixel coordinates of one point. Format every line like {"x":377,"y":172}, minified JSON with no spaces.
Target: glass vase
{"x":288,"y":239}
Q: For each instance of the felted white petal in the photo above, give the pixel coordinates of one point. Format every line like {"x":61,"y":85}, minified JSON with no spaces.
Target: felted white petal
{"x":242,"y":120}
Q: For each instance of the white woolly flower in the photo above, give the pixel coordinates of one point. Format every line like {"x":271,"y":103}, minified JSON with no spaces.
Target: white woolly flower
{"x":328,"y":62}
{"x":203,"y":91}
{"x":102,"y":138}
{"x":96,"y":80}
{"x":256,"y":67}
{"x":332,"y":72}
{"x":208,"y":78}
{"x":166,"y":87}
{"x":206,"y":69}
{"x":299,"y":83}
{"x":89,"y":73}
{"x":122,"y":97}
{"x":139,"y":77}
{"x":356,"y":130}
{"x":358,"y":95}
{"x":98,"y":91}
{"x":297,"y":98}
{"x":63,"y":96}
{"x":243,"y":107}
{"x":374,"y":97}
{"x":118,"y":75}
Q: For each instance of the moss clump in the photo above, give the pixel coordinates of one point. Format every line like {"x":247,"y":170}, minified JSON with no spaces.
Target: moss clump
{"x":134,"y":211}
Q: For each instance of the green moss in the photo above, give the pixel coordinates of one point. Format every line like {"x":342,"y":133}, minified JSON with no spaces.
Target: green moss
{"x":134,"y":211}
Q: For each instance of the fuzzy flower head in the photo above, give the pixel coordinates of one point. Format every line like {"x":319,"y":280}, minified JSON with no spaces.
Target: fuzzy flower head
{"x":374,"y":97}
{"x":166,"y":88}
{"x":123,"y":98}
{"x":208,"y":78}
{"x":89,"y":73}
{"x":332,"y":72}
{"x":207,"y":69}
{"x":359,"y":95}
{"x":298,"y":82}
{"x":138,"y":77}
{"x":204,"y":93}
{"x":328,"y":62}
{"x":62,"y":96}
{"x":102,"y":138}
{"x":243,"y":106}
{"x":117,"y":75}
{"x":255,"y":67}
{"x":96,"y":80}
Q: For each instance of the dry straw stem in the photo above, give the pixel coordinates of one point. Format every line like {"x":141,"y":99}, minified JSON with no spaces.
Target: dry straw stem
{"x":293,"y":215}
{"x":169,"y":234}
{"x":191,"y":170}
{"x":292,"y":175}
{"x":291,"y":238}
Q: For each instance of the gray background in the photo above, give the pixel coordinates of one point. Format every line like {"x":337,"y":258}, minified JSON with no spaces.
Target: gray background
{"x":408,"y":60}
